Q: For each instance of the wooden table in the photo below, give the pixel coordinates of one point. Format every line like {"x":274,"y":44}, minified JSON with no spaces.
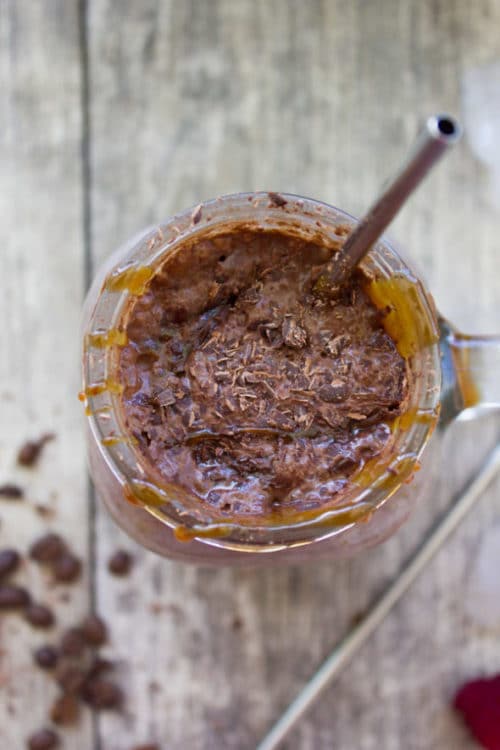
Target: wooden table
{"x":116,"y":114}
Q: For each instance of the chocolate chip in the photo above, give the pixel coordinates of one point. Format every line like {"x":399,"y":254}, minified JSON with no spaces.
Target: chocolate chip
{"x":333,"y":393}
{"x":48,"y":548}
{"x":13,"y":597}
{"x":9,"y":561}
{"x":11,"y":491}
{"x":73,"y":642}
{"x":146,"y":747}
{"x":357,"y":618}
{"x":44,"y":511}
{"x":29,"y":453}
{"x":102,"y":694}
{"x":98,"y":667}
{"x":46,"y":657}
{"x":44,"y":739}
{"x":67,"y":568}
{"x":70,"y":678}
{"x":94,"y":630}
{"x":277,"y":199}
{"x":65,"y":710}
{"x":120,"y":563}
{"x":39,"y":616}
{"x":237,"y":623}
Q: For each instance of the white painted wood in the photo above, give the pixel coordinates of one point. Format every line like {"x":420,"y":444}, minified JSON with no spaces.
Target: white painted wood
{"x":186,"y":101}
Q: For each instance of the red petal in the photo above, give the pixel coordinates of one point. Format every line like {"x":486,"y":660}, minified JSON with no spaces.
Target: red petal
{"x":479,"y":703}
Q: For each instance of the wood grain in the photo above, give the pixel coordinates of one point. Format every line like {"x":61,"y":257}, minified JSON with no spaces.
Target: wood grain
{"x":42,"y":284}
{"x":120,"y":115}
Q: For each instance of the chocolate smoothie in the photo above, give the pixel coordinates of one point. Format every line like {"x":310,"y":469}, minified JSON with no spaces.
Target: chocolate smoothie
{"x":245,"y":388}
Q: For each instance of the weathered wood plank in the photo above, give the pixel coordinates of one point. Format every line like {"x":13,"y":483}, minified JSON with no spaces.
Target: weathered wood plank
{"x":41,"y":277}
{"x":189,"y":100}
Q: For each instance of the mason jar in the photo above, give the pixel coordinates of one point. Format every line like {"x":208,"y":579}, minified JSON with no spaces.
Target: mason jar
{"x":451,"y":374}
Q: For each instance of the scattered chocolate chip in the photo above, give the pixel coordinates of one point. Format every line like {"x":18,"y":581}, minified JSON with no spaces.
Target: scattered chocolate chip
{"x":46,"y":657}
{"x":94,"y":630}
{"x":73,"y":643}
{"x":357,"y":618}
{"x":44,"y":511}
{"x":70,"y":678}
{"x":29,"y":453}
{"x":13,"y":597}
{"x":39,"y":616}
{"x":98,"y":667}
{"x":67,"y":568}
{"x":65,"y":710}
{"x":11,"y":491}
{"x":102,"y":694}
{"x":120,"y":563}
{"x":146,"y":747}
{"x":277,"y":199}
{"x":48,"y":548}
{"x":44,"y":739}
{"x":237,"y":623}
{"x":196,"y":215}
{"x":9,"y":562}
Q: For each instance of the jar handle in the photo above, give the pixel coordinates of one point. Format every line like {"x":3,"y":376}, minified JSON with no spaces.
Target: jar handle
{"x":471,"y":373}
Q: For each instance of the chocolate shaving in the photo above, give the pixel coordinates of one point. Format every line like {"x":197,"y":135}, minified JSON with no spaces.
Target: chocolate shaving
{"x":333,"y":394}
{"x":293,"y":335}
{"x":277,"y":200}
{"x":334,"y":346}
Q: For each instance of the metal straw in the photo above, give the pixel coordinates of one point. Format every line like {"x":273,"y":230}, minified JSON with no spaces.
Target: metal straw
{"x":346,"y":649}
{"x":440,"y":132}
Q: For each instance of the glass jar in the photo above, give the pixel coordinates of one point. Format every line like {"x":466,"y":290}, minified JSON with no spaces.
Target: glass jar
{"x":450,"y":373}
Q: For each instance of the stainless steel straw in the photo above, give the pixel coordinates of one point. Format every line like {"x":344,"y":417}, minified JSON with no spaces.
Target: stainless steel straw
{"x":346,"y":649}
{"x":439,"y":133}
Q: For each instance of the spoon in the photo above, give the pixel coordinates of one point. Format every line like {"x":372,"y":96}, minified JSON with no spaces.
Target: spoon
{"x":440,"y":132}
